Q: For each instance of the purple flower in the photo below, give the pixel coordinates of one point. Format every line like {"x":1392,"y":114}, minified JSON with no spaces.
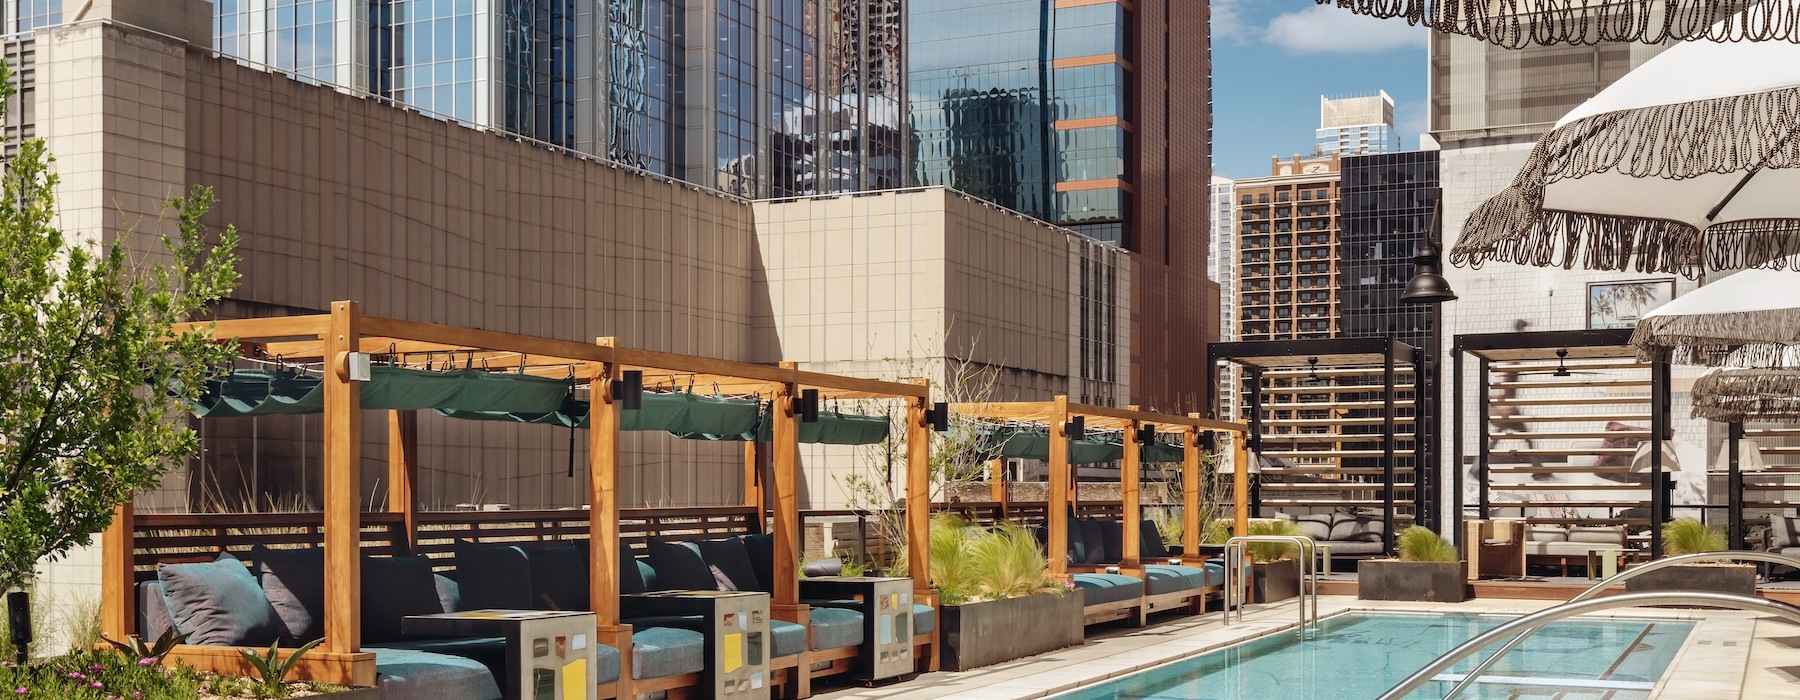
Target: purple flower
{"x":96,"y":667}
{"x":136,"y":694}
{"x":77,"y":676}
{"x":147,"y":661}
{"x":96,"y":684}
{"x":21,"y":690}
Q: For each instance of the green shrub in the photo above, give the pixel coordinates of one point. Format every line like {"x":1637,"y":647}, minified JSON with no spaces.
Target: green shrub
{"x":1007,"y":563}
{"x":1264,"y":552}
{"x":1215,"y":532}
{"x":950,"y":570}
{"x":1418,"y":543}
{"x":1690,"y":536}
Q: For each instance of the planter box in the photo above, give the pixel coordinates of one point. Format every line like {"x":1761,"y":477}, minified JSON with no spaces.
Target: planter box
{"x":1273,"y":581}
{"x":1412,"y":581}
{"x":1716,"y":578}
{"x":355,"y":694}
{"x":995,"y":631}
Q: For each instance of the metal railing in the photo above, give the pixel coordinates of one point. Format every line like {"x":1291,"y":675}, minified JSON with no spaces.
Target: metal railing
{"x":1662,"y":597}
{"x":1309,"y":576}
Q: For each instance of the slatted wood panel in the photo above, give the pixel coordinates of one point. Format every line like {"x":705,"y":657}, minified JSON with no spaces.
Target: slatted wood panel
{"x":195,"y":537}
{"x":1325,"y":428}
{"x":1545,"y":432}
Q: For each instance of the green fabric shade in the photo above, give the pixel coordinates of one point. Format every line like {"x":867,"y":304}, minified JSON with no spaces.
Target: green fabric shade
{"x":832,"y":428}
{"x":676,"y":412}
{"x":257,"y":392}
{"x":1035,"y":444}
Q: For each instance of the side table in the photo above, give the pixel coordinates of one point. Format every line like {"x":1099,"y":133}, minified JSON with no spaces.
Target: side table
{"x":736,"y":626}
{"x":549,"y":653}
{"x":1605,"y":559}
{"x":886,"y":605}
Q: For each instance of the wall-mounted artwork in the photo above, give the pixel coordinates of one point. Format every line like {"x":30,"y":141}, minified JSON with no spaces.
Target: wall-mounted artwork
{"x":1621,"y":304}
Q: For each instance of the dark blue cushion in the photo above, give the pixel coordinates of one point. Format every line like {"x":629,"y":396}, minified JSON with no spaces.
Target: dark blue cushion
{"x":731,"y":560}
{"x":405,"y":674}
{"x":1112,"y":535}
{"x":658,"y":652}
{"x":1150,"y":541}
{"x":1165,"y":578}
{"x":761,"y":550}
{"x":294,"y":582}
{"x":679,"y":568}
{"x":493,"y":576}
{"x":392,"y":588}
{"x":788,"y":638}
{"x":218,"y":603}
{"x":631,"y":575}
{"x":1076,"y":543}
{"x":1108,"y":588}
{"x":1093,"y":541}
{"x":559,"y":577}
{"x":924,"y":618}
{"x":835,"y":628}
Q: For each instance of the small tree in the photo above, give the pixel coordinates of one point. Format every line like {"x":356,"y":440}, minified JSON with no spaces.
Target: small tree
{"x":90,"y":374}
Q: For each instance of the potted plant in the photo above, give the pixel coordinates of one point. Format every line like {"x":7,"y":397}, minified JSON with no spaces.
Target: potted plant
{"x":1429,"y":569}
{"x":1275,"y":568}
{"x":998,"y":601}
{"x":1690,"y":536}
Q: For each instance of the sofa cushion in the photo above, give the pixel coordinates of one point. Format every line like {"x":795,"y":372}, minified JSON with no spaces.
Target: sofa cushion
{"x":658,"y":652}
{"x":761,"y":550}
{"x":392,"y":588}
{"x":786,"y":638}
{"x":488,"y":651}
{"x":1317,"y":526}
{"x":1150,"y":541}
{"x":1546,"y":533}
{"x":152,"y":611}
{"x":559,"y":577}
{"x":679,"y":568}
{"x":1356,"y":548}
{"x":835,"y":628}
{"x":405,"y":674}
{"x":1112,"y":535}
{"x":730,"y":559}
{"x":1109,"y":588}
{"x":1077,"y":546}
{"x":1093,"y":541}
{"x":449,"y":596}
{"x":1346,"y":527}
{"x":1598,"y":534}
{"x":1161,"y":578}
{"x":924,"y":618}
{"x":1566,"y":549}
{"x":218,"y":602}
{"x":294,"y":581}
{"x":1784,"y":532}
{"x":493,"y":576}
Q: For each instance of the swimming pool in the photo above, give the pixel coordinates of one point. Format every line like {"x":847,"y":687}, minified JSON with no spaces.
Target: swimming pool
{"x":1360,"y":655}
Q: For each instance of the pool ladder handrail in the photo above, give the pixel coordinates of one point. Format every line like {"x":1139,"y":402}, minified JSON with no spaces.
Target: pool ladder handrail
{"x":1457,"y":654}
{"x":1309,"y":576}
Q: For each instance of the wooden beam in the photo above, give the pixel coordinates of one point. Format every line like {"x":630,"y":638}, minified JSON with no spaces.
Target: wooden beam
{"x":1057,"y":516}
{"x":343,"y":484}
{"x":1129,"y":470}
{"x":118,"y":584}
{"x":1240,"y":484}
{"x":918,"y":495}
{"x":1193,"y":474}
{"x":997,"y":482}
{"x":784,"y":467}
{"x":251,"y":328}
{"x":403,"y":474}
{"x":399,"y":330}
{"x":603,"y":502}
{"x":354,"y":668}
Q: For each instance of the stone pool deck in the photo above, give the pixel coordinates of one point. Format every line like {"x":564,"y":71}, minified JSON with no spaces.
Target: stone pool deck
{"x":1730,"y":655}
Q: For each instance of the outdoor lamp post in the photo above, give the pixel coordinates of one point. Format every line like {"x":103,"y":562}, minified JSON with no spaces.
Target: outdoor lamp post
{"x":1428,"y":286}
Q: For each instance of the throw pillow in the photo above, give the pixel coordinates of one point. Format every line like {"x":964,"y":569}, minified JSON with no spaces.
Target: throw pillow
{"x":679,"y":567}
{"x":294,"y":581}
{"x":1077,"y":545}
{"x":1317,"y":527}
{"x":493,"y":576}
{"x":761,"y":549}
{"x":1112,"y":535}
{"x":1784,"y":532}
{"x":1615,"y":460}
{"x":732,"y":561}
{"x":1093,"y":542}
{"x":559,"y":577}
{"x":218,"y":603}
{"x":1150,"y":545}
{"x":392,"y":588}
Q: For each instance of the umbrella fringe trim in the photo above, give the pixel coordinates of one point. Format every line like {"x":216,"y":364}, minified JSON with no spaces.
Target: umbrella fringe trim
{"x":1553,"y":23}
{"x":1512,"y":227}
{"x":1749,"y":393}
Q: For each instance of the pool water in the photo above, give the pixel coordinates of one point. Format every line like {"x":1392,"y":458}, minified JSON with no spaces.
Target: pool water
{"x":1354,"y":656}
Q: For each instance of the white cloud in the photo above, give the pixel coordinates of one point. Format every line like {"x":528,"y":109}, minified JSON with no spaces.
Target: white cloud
{"x":1328,"y":29}
{"x":1229,"y":23}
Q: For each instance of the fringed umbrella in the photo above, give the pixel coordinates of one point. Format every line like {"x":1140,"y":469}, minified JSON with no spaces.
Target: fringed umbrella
{"x":1751,"y":318}
{"x":1586,"y":22}
{"x":1688,"y":162}
{"x":1738,"y":395}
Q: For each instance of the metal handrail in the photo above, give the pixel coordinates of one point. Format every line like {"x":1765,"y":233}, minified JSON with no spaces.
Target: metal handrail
{"x":1309,"y":572}
{"x":1608,"y":582}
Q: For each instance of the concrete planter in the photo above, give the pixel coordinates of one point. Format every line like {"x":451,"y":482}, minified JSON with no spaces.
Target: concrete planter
{"x":1274,"y":581}
{"x":355,"y":694}
{"x":1412,"y":581}
{"x":996,"y":631}
{"x":1717,"y":578}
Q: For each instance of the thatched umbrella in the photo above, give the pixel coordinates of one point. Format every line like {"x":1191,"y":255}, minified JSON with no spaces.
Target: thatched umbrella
{"x":1737,"y":395}
{"x":1585,"y":22}
{"x":1751,"y":318}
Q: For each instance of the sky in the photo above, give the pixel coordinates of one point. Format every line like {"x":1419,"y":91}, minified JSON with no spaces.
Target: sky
{"x":1273,"y":59}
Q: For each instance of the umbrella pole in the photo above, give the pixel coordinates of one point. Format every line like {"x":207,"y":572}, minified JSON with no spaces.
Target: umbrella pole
{"x":1734,"y":489}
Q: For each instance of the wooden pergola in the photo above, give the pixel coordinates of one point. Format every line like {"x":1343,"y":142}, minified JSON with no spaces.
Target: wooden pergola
{"x":335,"y":338}
{"x":1056,"y":415}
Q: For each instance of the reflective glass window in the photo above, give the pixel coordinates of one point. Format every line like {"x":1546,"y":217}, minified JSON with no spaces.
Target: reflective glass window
{"x":1090,"y":30}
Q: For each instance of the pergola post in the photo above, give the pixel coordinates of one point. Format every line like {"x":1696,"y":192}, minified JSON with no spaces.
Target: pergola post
{"x":1659,"y":427}
{"x":603,"y":497}
{"x":1240,"y":485}
{"x":784,"y":463}
{"x":1057,"y":514}
{"x":1388,"y":443}
{"x":1734,"y":483}
{"x":1485,"y":453}
{"x":1456,"y":447}
{"x":918,"y":495}
{"x":118,"y":584}
{"x":1129,"y":470}
{"x":343,"y":482}
{"x":997,"y":484}
{"x":1191,"y":478}
{"x":403,"y":476}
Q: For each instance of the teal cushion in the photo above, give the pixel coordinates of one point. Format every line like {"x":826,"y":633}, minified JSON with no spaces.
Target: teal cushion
{"x":1109,"y":588}
{"x":487,"y":651}
{"x":1163,"y":578}
{"x":835,"y":628}
{"x":1215,"y":573}
{"x":219,"y":603}
{"x":924,"y":618}
{"x":606,"y":663}
{"x":788,"y":638}
{"x":405,"y":674}
{"x":658,"y":652}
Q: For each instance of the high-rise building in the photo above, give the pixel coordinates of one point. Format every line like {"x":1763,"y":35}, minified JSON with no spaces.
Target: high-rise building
{"x":1287,"y":253}
{"x":1090,"y":115}
{"x":1386,"y":210}
{"x":759,"y":99}
{"x":1351,"y":126}
{"x":1221,"y":268}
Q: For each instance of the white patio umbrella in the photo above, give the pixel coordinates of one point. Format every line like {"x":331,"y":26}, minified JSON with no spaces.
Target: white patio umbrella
{"x":1735,"y":395}
{"x":1521,"y":23}
{"x":1690,"y":160}
{"x":1751,"y":318}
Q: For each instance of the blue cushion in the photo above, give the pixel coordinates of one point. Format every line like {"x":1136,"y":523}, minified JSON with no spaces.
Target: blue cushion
{"x":606,"y":663}
{"x":658,"y":652}
{"x":1077,"y":546}
{"x":788,"y":638}
{"x":152,"y":611}
{"x":1215,"y":572}
{"x":761,"y":550}
{"x":487,"y":651}
{"x":1164,"y":578}
{"x":924,"y":618}
{"x":679,"y":568}
{"x":835,"y":628}
{"x":219,"y":603}
{"x":294,"y":581}
{"x":493,"y":576}
{"x":728,"y":558}
{"x":1093,"y":541}
{"x":1108,"y":588}
{"x":559,"y":577}
{"x":1112,"y":535}
{"x":392,"y":588}
{"x":405,"y":674}
{"x":1150,"y":541}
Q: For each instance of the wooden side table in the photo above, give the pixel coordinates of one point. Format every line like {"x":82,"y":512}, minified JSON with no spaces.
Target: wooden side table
{"x":549,"y":653}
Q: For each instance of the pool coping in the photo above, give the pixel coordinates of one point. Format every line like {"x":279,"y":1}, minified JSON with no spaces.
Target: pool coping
{"x":1712,"y":663}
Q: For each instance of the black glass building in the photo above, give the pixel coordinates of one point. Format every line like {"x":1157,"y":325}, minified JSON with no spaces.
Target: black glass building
{"x":1386,"y":210}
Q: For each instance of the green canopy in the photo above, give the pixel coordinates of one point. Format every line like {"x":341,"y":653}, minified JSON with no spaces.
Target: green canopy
{"x":1027,"y":443}
{"x":676,"y":412}
{"x":1160,"y":451}
{"x":257,"y":392}
{"x":832,"y":428}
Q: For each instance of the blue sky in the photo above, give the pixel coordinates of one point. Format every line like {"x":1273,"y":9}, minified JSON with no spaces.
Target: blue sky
{"x":1273,"y":59}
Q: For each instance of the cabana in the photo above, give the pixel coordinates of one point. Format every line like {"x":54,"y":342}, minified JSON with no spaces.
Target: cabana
{"x":349,"y":345}
{"x":1138,"y":586}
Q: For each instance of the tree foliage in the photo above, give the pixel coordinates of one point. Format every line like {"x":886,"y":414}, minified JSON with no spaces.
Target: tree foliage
{"x":90,"y":375}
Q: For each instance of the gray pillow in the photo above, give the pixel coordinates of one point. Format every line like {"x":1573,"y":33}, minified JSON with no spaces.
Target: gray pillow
{"x":392,"y":588}
{"x":294,"y":581}
{"x":1598,"y":534}
{"x":1547,"y":533}
{"x":218,"y":603}
{"x":1784,"y":532}
{"x":1317,"y":527}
